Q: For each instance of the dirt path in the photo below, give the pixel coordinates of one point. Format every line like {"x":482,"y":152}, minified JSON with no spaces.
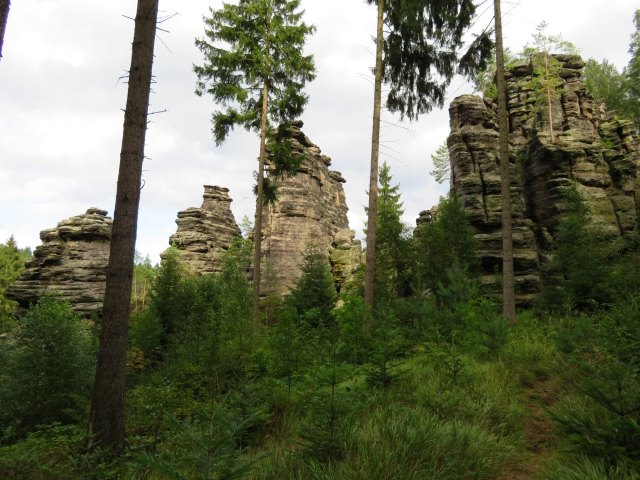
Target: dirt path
{"x":538,"y":429}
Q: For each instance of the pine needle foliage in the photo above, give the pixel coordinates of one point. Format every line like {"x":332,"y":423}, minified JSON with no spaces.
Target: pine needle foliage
{"x":246,"y":46}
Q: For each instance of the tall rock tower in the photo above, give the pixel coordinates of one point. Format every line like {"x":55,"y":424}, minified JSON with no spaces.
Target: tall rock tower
{"x":311,"y":209}
{"x":205,"y":233}
{"x":593,"y":149}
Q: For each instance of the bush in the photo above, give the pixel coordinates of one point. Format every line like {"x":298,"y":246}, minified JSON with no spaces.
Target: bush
{"x":48,"y":362}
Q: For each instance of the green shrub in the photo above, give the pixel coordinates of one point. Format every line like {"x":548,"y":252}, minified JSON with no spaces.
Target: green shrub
{"x":48,"y":362}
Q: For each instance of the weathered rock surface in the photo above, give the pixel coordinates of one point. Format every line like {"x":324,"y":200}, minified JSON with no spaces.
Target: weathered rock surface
{"x":311,"y":209}
{"x":71,"y":263}
{"x":345,"y":258}
{"x":204,"y":234}
{"x":593,"y":148}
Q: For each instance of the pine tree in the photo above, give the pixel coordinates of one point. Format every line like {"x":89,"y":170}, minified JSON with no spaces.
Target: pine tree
{"x":254,"y":68}
{"x":417,"y":59}
{"x":107,"y":408}
{"x":546,"y":83}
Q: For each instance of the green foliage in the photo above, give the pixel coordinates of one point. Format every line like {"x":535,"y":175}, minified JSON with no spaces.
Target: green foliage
{"x":387,"y":345}
{"x":632,"y":73}
{"x":606,"y":84}
{"x":48,"y":452}
{"x":398,"y":442}
{"x":392,"y":244}
{"x":143,"y":274}
{"x":314,"y":295}
{"x":247,"y":46}
{"x":441,"y":164}
{"x":577,"y":276}
{"x":443,"y":244}
{"x":585,"y":468}
{"x":619,"y":91}
{"x":546,"y":83}
{"x":421,"y":50}
{"x":484,"y":81}
{"x":47,"y":369}
{"x":12,"y":260}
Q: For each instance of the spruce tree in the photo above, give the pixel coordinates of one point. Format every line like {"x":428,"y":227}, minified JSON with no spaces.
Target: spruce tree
{"x":255,"y":70}
{"x":508,"y":276}
{"x":107,"y":408}
{"x":417,"y":59}
{"x":392,"y":243}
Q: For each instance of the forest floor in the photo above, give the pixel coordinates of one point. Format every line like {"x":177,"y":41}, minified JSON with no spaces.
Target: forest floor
{"x":541,"y":394}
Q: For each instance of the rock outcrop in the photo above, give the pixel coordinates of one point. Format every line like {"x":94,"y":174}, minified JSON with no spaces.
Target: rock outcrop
{"x":345,"y":257}
{"x":592,"y":148}
{"x":71,"y":263}
{"x":311,"y":209}
{"x":204,"y":234}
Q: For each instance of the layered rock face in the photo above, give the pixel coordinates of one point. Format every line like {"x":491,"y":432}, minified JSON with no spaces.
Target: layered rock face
{"x":204,"y":234}
{"x":592,"y":148}
{"x":71,"y":263}
{"x":311,"y":209}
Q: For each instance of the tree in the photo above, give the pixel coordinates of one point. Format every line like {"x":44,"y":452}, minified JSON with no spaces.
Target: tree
{"x":417,"y":59}
{"x":508,"y":277}
{"x":254,"y":68}
{"x":107,"y":408}
{"x":392,"y":243}
{"x":47,"y":365}
{"x":441,"y":164}
{"x":444,"y":243}
{"x":606,"y":84}
{"x":4,"y":15}
{"x":632,"y":72}
{"x":314,"y":295}
{"x":12,"y":260}
{"x":546,"y":82}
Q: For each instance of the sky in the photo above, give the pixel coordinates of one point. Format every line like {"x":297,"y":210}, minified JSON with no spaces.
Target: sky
{"x":62,"y":95}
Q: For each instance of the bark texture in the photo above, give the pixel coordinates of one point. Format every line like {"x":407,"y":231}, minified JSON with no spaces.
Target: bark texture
{"x":508,"y":279}
{"x":257,"y":238}
{"x":370,"y":272}
{"x":107,"y":412}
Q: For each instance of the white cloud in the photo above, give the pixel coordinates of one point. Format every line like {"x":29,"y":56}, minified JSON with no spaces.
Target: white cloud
{"x":61,"y":119}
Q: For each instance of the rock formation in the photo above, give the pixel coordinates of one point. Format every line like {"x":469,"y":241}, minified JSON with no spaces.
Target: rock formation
{"x":593,"y":148}
{"x":71,"y":263}
{"x":311,"y":208}
{"x":204,"y":234}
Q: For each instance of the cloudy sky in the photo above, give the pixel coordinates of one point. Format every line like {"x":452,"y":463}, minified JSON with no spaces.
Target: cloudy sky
{"x":61,"y":98}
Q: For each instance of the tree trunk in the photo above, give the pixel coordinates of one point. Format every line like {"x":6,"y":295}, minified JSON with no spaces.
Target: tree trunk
{"x":107,"y":408}
{"x":4,"y":14}
{"x":370,"y":273}
{"x":508,"y":279}
{"x":546,"y":72}
{"x":257,"y":230}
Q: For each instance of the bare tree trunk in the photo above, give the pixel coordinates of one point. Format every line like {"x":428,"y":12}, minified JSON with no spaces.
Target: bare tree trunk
{"x":508,"y":278}
{"x":257,"y":230}
{"x":4,"y":14}
{"x":370,"y":273}
{"x":546,"y":72}
{"x":107,"y":407}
